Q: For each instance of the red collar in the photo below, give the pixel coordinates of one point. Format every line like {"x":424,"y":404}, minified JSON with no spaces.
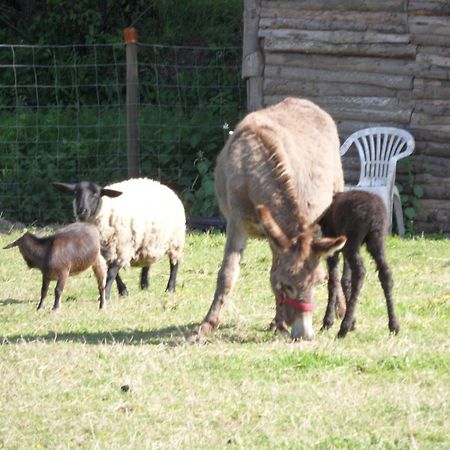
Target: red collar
{"x":301,"y":305}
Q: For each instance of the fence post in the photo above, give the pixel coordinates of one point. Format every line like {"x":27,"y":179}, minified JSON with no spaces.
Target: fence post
{"x":132,"y":100}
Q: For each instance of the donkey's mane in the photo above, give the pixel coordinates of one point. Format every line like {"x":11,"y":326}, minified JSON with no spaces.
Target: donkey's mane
{"x":267,"y":137}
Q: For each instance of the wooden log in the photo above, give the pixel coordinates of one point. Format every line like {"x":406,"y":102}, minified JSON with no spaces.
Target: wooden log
{"x":252,"y":66}
{"x":434,"y":187}
{"x":330,"y":20}
{"x":423,"y":120}
{"x":279,"y":86}
{"x":432,"y":134}
{"x":441,"y":149}
{"x":430,"y":8}
{"x":431,"y":89}
{"x":430,"y":39}
{"x":291,"y":44}
{"x":438,"y":167}
{"x":396,"y":117}
{"x":334,"y":5}
{"x":429,"y":25}
{"x":429,"y":210}
{"x":333,"y":75}
{"x":431,"y":227}
{"x":351,"y":63}
{"x":336,"y":37}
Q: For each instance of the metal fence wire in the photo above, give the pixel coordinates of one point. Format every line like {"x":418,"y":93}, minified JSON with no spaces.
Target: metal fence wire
{"x":63,"y":117}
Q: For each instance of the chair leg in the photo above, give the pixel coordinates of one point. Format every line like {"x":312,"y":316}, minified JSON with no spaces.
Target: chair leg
{"x":397,"y":205}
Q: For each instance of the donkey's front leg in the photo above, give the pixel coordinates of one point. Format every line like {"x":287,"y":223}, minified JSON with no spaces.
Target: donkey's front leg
{"x":226,"y":279}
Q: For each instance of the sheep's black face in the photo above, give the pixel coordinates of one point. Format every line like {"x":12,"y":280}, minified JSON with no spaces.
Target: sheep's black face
{"x":87,"y":201}
{"x":87,"y":197}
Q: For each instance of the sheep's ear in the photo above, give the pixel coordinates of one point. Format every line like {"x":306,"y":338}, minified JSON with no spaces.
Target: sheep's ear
{"x":327,"y":246}
{"x":64,"y":187}
{"x":110,"y":192}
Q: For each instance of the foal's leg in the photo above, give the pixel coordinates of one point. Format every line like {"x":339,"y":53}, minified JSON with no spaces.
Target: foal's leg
{"x":355,"y":262}
{"x":333,"y":288}
{"x":376,"y":247}
{"x":226,"y":279}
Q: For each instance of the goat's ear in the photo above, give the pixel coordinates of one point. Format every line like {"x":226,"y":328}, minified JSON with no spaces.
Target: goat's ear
{"x":64,"y":187}
{"x":12,"y":244}
{"x":110,"y":193}
{"x":272,"y":229}
{"x":327,"y":246}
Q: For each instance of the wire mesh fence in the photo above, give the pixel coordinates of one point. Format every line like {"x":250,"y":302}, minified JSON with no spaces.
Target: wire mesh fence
{"x":63,"y":118}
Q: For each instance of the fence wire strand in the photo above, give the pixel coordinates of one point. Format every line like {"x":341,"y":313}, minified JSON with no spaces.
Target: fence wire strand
{"x":63,"y":118}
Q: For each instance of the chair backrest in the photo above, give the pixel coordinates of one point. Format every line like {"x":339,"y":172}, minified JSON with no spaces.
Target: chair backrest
{"x":379,"y":149}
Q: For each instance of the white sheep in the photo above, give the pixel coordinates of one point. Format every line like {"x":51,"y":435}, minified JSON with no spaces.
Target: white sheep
{"x":139,"y":221}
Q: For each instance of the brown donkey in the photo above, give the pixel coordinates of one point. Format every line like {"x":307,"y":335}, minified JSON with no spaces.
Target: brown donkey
{"x":274,"y":177}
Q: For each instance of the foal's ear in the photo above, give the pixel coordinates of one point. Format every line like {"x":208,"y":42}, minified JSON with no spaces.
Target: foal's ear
{"x":272,"y":229}
{"x":110,"y":192}
{"x":65,"y":188}
{"x":328,"y":246}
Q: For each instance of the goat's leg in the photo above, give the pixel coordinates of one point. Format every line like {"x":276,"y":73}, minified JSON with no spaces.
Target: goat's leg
{"x":144,"y":277}
{"x":358,"y":272}
{"x":122,"y":289}
{"x":226,"y":279}
{"x":111,"y":275}
{"x":376,"y":249}
{"x":60,"y":283}
{"x":333,"y":289}
{"x":173,"y":277}
{"x":99,"y":267}
{"x":44,"y":290}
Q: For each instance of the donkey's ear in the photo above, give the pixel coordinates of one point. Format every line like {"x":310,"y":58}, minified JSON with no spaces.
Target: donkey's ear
{"x":110,"y":192}
{"x":272,"y":229}
{"x":327,"y":246}
{"x":65,"y":188}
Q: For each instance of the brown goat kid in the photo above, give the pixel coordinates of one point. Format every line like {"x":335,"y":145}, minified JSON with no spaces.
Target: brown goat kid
{"x":69,"y":251}
{"x":361,"y":217}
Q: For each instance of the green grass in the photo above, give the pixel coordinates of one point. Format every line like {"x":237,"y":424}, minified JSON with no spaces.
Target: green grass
{"x":61,"y":374}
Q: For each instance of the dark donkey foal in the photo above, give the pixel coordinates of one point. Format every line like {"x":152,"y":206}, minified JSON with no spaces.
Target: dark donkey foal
{"x":362,"y":218}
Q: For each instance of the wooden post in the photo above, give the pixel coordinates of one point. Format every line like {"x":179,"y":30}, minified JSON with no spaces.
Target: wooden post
{"x":130,"y":37}
{"x":252,"y":58}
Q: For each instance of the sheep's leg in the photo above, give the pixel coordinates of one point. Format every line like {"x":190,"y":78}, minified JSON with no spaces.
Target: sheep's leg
{"x":123,"y":291}
{"x":113,"y":270}
{"x":61,"y":282}
{"x":375,"y":247}
{"x":333,"y":290}
{"x":44,"y":290}
{"x":99,"y":267}
{"x":226,"y":279}
{"x":144,"y":277}
{"x":358,"y":272}
{"x":173,"y":277}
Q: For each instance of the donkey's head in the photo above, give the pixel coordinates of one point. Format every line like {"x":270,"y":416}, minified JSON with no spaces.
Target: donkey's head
{"x":295,"y":261}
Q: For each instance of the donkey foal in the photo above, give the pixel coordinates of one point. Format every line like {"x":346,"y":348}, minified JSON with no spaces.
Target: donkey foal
{"x":362,"y":218}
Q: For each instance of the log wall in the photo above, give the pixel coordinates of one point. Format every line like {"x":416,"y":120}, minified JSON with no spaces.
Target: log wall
{"x":368,"y":63}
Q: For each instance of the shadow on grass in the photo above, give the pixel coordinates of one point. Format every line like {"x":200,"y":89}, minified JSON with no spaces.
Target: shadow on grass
{"x":172,"y":336}
{"x":9,"y":301}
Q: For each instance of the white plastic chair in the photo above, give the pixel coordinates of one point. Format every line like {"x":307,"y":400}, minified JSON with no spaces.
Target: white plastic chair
{"x":379,"y":149}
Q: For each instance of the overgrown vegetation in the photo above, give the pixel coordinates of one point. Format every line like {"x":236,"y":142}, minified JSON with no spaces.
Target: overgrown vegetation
{"x":63,"y":112}
{"x":125,"y":378}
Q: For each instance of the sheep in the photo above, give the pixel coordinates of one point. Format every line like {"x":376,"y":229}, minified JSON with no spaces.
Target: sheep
{"x":139,"y":220}
{"x":360,"y":216}
{"x":69,"y":251}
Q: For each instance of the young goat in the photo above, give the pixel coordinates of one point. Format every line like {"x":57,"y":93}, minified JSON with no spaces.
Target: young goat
{"x":69,"y":251}
{"x":362,"y":218}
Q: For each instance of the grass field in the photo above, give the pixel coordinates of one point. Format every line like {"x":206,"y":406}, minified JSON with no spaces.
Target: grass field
{"x":62,"y":375}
